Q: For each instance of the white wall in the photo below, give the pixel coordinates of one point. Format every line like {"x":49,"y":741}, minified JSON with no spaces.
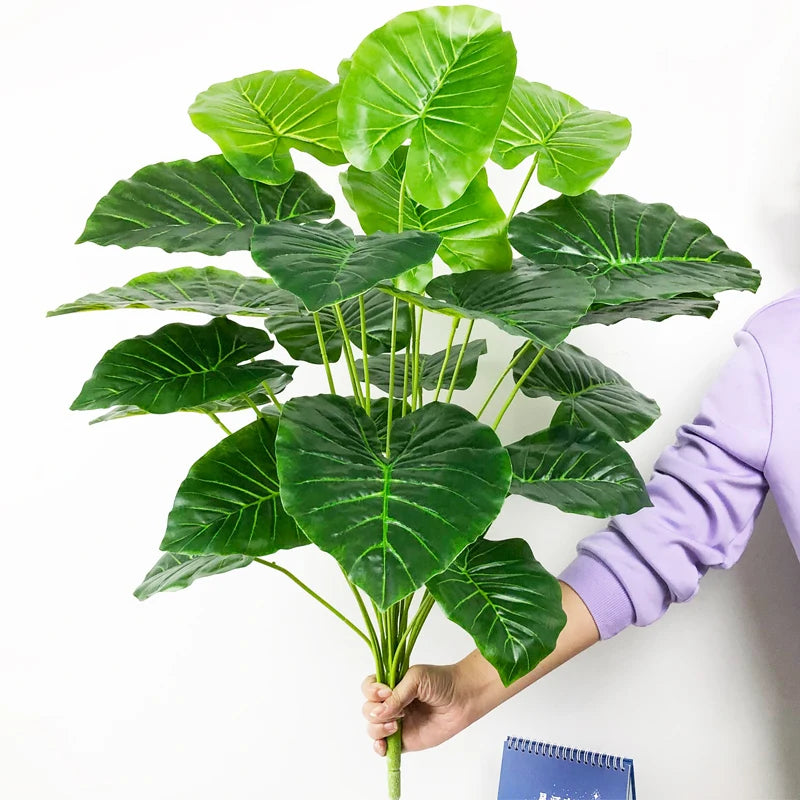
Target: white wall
{"x":242,"y":686}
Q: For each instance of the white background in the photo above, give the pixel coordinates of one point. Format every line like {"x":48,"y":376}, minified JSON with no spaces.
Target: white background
{"x":243,"y":686}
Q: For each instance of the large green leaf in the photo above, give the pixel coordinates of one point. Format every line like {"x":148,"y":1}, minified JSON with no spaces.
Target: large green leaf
{"x":430,"y":365}
{"x":325,"y":264}
{"x":258,"y":118}
{"x":575,"y":145}
{"x":631,"y":250}
{"x":539,"y":304}
{"x":229,"y":503}
{"x":180,"y":366}
{"x":440,"y":76}
{"x":592,"y":395}
{"x":198,"y":206}
{"x":391,"y":522}
{"x":177,"y":571}
{"x":506,"y":600}
{"x":653,"y":310}
{"x":296,"y":332}
{"x":473,"y":228}
{"x":577,"y":470}
{"x":209,"y":290}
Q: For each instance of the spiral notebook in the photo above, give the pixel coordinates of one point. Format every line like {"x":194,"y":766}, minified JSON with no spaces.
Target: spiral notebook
{"x":533,"y":770}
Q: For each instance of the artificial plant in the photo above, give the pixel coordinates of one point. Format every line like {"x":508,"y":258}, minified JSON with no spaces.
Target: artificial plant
{"x":389,"y":475}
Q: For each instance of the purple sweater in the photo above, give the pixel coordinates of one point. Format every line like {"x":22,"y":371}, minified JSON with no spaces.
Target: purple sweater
{"x":708,"y":487}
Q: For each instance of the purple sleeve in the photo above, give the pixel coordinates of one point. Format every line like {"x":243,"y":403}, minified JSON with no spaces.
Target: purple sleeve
{"x":706,"y":489}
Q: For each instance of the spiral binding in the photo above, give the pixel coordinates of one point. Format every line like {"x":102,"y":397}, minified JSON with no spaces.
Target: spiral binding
{"x":565,"y":753}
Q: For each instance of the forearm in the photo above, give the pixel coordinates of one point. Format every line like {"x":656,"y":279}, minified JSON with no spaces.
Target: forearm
{"x":482,"y":682}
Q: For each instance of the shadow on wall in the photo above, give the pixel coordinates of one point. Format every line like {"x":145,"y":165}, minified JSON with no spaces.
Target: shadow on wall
{"x":768,"y":578}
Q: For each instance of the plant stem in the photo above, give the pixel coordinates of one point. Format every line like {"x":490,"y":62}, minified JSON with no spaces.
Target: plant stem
{"x":377,"y":648}
{"x":460,"y":359}
{"x":219,"y":422}
{"x":415,"y":386}
{"x":348,"y":355}
{"x":321,"y":341}
{"x":362,"y":315}
{"x":517,"y":385}
{"x":271,"y":394}
{"x":522,"y":189}
{"x":327,"y":605}
{"x":524,"y":349}
{"x":456,"y":321}
{"x":253,"y":405}
{"x":424,"y":609}
{"x":391,"y":375}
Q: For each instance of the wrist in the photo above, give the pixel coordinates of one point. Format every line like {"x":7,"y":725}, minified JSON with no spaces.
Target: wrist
{"x":480,"y":688}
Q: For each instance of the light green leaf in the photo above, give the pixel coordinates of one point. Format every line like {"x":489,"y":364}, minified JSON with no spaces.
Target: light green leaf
{"x":256,"y":119}
{"x":391,"y":522}
{"x":506,"y":600}
{"x":177,"y":571}
{"x":198,"y":206}
{"x":440,"y":76}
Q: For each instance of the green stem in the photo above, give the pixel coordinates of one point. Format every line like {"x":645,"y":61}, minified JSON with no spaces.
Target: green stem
{"x":271,"y":394}
{"x":460,"y":359}
{"x":419,"y":620}
{"x":517,"y":385}
{"x":456,"y":321}
{"x":391,"y":375}
{"x":218,"y":421}
{"x":348,"y":355}
{"x":377,"y":648}
{"x":321,"y":341}
{"x":415,"y":385}
{"x":252,"y":405}
{"x":363,"y":319}
{"x":394,"y":746}
{"x":327,"y":605}
{"x":406,"y":362}
{"x":524,"y":349}
{"x":410,"y":633}
{"x":522,"y":189}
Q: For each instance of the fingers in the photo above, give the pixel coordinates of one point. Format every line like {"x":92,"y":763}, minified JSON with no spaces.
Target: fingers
{"x":399,"y":698}
{"x":373,"y":690}
{"x":380,"y":730}
{"x":379,"y":746}
{"x":373,"y":712}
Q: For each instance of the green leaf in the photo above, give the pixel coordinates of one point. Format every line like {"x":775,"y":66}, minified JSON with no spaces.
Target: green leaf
{"x":325,"y":264}
{"x":229,"y":503}
{"x":177,"y":571}
{"x":539,"y":304}
{"x":440,"y":76}
{"x":391,"y":522}
{"x":430,"y":365}
{"x":379,"y":412}
{"x":180,"y":366}
{"x":630,"y":250}
{"x":208,"y":290}
{"x":256,"y":119}
{"x":575,"y":144}
{"x":296,"y":332}
{"x":506,"y":600}
{"x":473,"y":228}
{"x":592,"y":395}
{"x":577,"y":470}
{"x":653,"y":310}
{"x":198,"y":206}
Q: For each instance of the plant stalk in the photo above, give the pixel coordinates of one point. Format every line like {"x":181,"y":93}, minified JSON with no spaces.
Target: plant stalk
{"x":348,"y":355}
{"x":277,"y":403}
{"x":219,"y":422}
{"x":460,"y":359}
{"x":517,"y":385}
{"x":522,"y":189}
{"x":456,"y":321}
{"x":524,"y":349}
{"x":362,"y":315}
{"x":321,"y":342}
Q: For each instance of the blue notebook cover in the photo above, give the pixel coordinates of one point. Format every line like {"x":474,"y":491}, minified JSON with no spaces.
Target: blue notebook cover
{"x":533,"y":770}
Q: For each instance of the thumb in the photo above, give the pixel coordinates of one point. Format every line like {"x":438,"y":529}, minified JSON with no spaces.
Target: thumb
{"x":401,"y":695}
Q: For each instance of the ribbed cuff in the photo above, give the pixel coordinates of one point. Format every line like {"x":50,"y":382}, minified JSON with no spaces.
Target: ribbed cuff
{"x":604,"y":595}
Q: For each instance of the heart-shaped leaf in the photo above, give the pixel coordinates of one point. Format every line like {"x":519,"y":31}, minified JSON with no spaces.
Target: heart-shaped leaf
{"x":575,"y":144}
{"x":430,"y":365}
{"x":592,"y":395}
{"x":209,"y":290}
{"x":296,"y":332}
{"x":577,"y":470}
{"x":440,"y":76}
{"x":391,"y":521}
{"x":201,"y":206}
{"x":257,"y":118}
{"x":473,"y":228}
{"x":653,"y":310}
{"x":325,"y":264}
{"x":229,"y":503}
{"x":630,"y":250}
{"x":180,"y":366}
{"x":177,"y":571}
{"x":539,"y":304}
{"x":506,"y":600}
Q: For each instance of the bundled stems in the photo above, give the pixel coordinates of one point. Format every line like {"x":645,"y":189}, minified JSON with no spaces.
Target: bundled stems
{"x":416,"y":389}
{"x":321,"y":341}
{"x":348,"y":355}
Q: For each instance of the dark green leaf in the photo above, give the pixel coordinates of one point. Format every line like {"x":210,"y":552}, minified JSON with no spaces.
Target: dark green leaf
{"x":180,"y":366}
{"x":506,"y":600}
{"x":257,"y":118}
{"x":177,"y":571}
{"x":379,"y":412}
{"x":440,"y":76}
{"x":577,"y":470}
{"x":325,"y":264}
{"x":391,"y":522}
{"x":653,"y":310}
{"x":229,"y":502}
{"x":198,"y":206}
